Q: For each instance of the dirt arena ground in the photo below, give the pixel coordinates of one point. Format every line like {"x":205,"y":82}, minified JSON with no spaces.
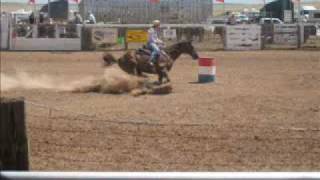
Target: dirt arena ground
{"x":262,"y":114}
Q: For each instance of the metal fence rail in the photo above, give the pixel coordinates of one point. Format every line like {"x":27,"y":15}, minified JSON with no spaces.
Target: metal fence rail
{"x":155,"y":175}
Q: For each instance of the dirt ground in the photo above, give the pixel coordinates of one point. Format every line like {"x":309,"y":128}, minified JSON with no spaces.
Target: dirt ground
{"x":262,"y":114}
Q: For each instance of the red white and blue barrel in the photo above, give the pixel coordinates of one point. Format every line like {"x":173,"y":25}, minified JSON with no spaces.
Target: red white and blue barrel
{"x":207,"y":70}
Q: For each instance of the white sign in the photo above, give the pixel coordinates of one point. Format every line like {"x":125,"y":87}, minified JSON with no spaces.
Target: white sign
{"x":290,"y":39}
{"x":170,"y":34}
{"x":104,"y":35}
{"x":285,"y":34}
{"x":318,"y":31}
{"x":243,"y":37}
{"x":285,"y":28}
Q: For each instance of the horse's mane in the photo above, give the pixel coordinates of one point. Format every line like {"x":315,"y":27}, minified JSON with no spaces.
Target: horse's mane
{"x":174,"y":48}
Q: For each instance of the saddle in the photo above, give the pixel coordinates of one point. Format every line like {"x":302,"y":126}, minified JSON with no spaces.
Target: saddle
{"x":163,"y":59}
{"x":144,"y":50}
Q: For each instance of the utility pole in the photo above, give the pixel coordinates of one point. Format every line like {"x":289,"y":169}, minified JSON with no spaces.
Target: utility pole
{"x":264,"y":9}
{"x":224,"y":8}
{"x":300,"y":25}
{"x":49,"y":9}
{"x":299,"y":11}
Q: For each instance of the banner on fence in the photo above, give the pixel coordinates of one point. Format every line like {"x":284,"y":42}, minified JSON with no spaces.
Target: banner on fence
{"x":137,"y":36}
{"x":104,"y":35}
{"x":243,"y":37}
{"x":170,"y":34}
{"x":285,"y":34}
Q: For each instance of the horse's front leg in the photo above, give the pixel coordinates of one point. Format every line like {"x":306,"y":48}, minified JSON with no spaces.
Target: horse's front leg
{"x":168,"y":79}
{"x":160,"y":78}
{"x":140,"y":73}
{"x":165,"y":74}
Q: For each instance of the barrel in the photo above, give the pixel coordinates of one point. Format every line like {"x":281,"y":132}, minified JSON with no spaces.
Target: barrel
{"x":207,"y":70}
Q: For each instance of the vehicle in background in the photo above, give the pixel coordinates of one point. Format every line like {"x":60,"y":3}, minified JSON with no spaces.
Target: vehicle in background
{"x":305,"y":11}
{"x":217,"y":20}
{"x":240,"y":19}
{"x":21,"y":16}
{"x":254,"y":17}
{"x":270,"y":21}
{"x":314,"y":16}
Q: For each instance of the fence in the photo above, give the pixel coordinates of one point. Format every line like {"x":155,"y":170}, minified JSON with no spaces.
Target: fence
{"x":132,"y":36}
{"x":281,"y":36}
{"x":212,"y":37}
{"x":45,"y":37}
{"x":13,"y":141}
{"x":310,"y":36}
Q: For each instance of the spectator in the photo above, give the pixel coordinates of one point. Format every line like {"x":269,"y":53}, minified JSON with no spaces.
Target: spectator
{"x":41,"y":17}
{"x":31,"y":18}
{"x":91,"y":18}
{"x":232,"y":20}
{"x":77,"y":18}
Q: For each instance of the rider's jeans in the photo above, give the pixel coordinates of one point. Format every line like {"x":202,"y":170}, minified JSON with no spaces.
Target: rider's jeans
{"x":155,"y":51}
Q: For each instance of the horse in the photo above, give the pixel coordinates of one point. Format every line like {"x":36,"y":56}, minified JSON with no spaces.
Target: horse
{"x":137,"y":62}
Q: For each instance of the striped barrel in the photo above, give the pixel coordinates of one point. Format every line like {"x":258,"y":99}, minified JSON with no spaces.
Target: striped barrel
{"x":207,"y":70}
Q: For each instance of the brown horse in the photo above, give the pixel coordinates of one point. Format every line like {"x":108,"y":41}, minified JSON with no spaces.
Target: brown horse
{"x":137,"y":62}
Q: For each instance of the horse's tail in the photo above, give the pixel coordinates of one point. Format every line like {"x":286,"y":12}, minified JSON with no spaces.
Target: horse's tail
{"x":108,"y":59}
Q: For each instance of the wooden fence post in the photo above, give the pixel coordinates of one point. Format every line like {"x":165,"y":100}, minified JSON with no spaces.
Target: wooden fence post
{"x":13,"y":135}
{"x":125,"y":39}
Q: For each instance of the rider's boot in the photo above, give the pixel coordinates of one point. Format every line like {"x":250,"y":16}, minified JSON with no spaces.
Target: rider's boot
{"x":151,"y":61}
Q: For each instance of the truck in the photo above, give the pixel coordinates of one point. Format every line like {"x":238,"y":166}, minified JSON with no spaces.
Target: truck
{"x":314,"y":16}
{"x":310,"y":14}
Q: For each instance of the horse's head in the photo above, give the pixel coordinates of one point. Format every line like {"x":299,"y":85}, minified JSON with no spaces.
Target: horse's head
{"x":187,"y":48}
{"x":108,"y":59}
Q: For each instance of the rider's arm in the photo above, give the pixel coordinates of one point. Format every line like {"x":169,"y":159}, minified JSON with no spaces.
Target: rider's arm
{"x":159,"y":41}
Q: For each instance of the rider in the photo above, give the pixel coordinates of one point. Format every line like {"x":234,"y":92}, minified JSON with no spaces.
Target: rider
{"x":154,"y":41}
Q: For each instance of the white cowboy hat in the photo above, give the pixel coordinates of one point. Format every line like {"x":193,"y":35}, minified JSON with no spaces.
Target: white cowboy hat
{"x":156,"y":22}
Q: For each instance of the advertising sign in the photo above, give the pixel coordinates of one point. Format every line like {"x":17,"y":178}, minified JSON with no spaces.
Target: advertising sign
{"x":137,"y":36}
{"x":104,"y":35}
{"x":170,"y":34}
